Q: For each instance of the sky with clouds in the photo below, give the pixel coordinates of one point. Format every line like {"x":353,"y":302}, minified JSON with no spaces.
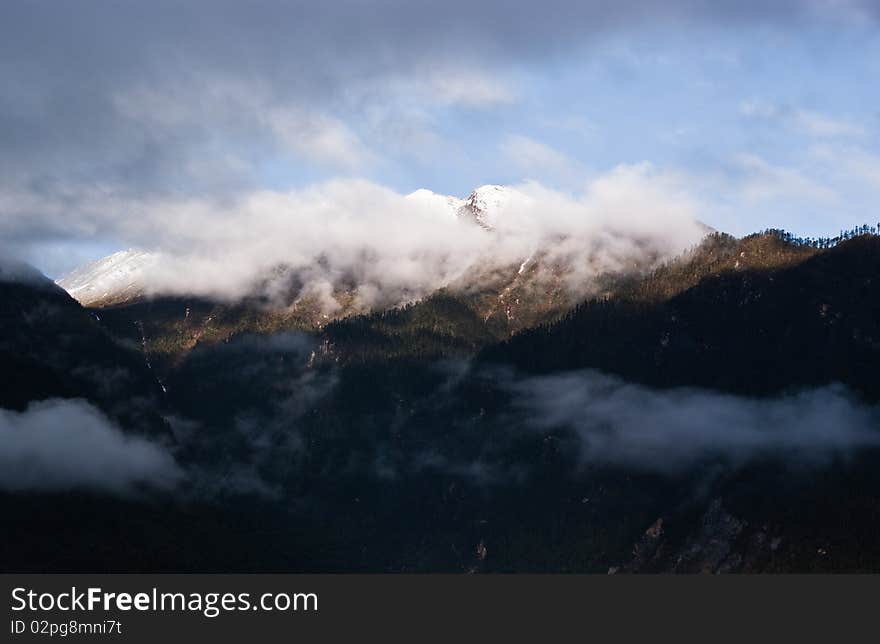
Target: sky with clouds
{"x":765,"y":114}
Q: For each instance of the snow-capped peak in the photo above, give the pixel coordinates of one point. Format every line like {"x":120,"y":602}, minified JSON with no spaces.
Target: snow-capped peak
{"x":114,"y":278}
{"x":487,"y":203}
{"x":483,"y":206}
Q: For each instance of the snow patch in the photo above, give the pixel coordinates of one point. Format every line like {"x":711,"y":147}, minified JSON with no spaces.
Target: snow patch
{"x":117,"y":276}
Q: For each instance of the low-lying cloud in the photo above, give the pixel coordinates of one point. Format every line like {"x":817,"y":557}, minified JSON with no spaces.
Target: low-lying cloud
{"x":624,"y":424}
{"x":58,"y":445}
{"x":359,"y":237}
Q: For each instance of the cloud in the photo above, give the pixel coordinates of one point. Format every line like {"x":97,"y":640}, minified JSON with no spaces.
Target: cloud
{"x":538,"y":160}
{"x":822,"y":125}
{"x":58,"y":445}
{"x":239,"y":109}
{"x":854,"y":161}
{"x":390,"y":248}
{"x":108,"y":91}
{"x":578,"y":125}
{"x":597,"y":420}
{"x":138,"y":104}
{"x":469,"y":88}
{"x":320,"y":138}
{"x":623,"y":424}
{"x":815,"y":124}
{"x":759,"y":180}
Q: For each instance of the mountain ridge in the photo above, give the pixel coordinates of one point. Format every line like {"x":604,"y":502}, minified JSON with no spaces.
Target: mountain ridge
{"x":494,"y":240}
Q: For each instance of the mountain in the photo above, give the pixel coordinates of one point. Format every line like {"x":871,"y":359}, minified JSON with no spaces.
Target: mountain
{"x":515,"y":283}
{"x":487,"y":204}
{"x":715,"y":412}
{"x":117,"y":278}
{"x":484,"y":206}
{"x":80,"y":411}
{"x":751,"y":316}
{"x":51,"y":347}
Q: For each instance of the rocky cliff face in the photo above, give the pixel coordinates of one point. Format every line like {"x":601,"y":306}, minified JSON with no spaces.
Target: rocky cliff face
{"x":718,"y":543}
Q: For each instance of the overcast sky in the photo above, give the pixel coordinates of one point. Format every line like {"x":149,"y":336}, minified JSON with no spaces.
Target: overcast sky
{"x":765,"y":113}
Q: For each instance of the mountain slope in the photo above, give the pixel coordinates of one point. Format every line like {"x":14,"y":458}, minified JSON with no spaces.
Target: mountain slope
{"x":508,"y":277}
{"x":51,"y":347}
{"x":113,"y":279}
{"x":795,"y":318}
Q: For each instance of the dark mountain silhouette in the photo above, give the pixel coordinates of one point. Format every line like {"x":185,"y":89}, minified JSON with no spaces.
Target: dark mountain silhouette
{"x":51,"y":347}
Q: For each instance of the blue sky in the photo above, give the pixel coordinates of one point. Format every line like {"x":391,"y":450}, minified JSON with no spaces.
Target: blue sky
{"x":732,"y":108}
{"x":767,"y":116}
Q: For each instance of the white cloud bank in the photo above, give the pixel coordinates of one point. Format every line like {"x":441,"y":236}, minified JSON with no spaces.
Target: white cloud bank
{"x":625,"y":424}
{"x":57,"y":445}
{"x":394,"y":248}
{"x":810,"y":122}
